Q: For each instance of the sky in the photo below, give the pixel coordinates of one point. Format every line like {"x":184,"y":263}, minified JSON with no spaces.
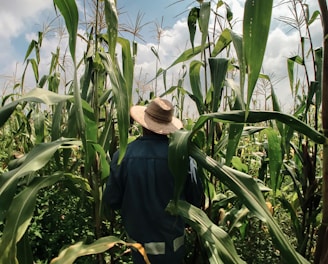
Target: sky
{"x":19,"y":26}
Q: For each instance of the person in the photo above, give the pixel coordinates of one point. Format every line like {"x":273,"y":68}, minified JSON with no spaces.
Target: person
{"x":141,"y":186}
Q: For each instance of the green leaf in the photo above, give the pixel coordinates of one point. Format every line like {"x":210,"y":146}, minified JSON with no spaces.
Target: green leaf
{"x":36,"y":95}
{"x":247,"y":190}
{"x":107,"y":135}
{"x":69,"y":11}
{"x":185,"y":56}
{"x":318,"y":63}
{"x":235,"y":132}
{"x":256,"y":25}
{"x":238,"y":116}
{"x":33,"y":45}
{"x":91,"y":129}
{"x":297,"y":226}
{"x":290,"y":68}
{"x":112,"y":25}
{"x":314,"y":16}
{"x":179,"y":160}
{"x":128,"y":66}
{"x":219,"y":246}
{"x":218,"y":67}
{"x":275,"y":159}
{"x":6,"y":111}
{"x":103,"y":161}
{"x":121,"y":100}
{"x":39,"y":127}
{"x":313,"y":89}
{"x":238,"y":164}
{"x":91,"y":134}
{"x":192,"y":21}
{"x":276,"y":107}
{"x":195,"y":83}
{"x":70,"y":254}
{"x":229,"y":14}
{"x":19,"y":216}
{"x":57,"y":121}
{"x":37,"y":158}
{"x":39,"y":95}
{"x":204,"y":18}
{"x":24,"y":250}
{"x":35,"y":69}
{"x":237,"y":41}
{"x":223,"y":42}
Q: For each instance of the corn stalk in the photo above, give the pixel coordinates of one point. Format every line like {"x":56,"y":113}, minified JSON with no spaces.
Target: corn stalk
{"x":321,"y":255}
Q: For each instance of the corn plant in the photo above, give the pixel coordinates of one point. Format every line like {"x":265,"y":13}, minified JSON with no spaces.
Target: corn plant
{"x":250,"y":59}
{"x":86,"y":125}
{"x":321,"y":255}
{"x":87,"y":114}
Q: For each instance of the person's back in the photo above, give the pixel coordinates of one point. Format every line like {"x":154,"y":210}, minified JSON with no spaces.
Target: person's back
{"x":142,"y":186}
{"x":148,"y":187}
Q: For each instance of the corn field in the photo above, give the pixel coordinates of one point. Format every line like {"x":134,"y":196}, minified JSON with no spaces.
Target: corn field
{"x":264,"y":172}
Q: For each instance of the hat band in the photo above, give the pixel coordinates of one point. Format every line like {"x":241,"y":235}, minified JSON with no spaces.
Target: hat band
{"x":158,"y":117}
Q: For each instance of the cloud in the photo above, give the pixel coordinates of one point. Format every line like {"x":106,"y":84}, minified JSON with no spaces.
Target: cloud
{"x":13,"y":20}
{"x":17,"y":17}
{"x":15,"y":23}
{"x":282,"y":44}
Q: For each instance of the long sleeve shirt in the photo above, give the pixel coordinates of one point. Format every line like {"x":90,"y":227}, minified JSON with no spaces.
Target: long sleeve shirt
{"x":141,"y":186}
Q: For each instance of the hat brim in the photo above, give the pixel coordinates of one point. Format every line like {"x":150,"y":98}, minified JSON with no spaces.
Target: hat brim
{"x":137,"y":112}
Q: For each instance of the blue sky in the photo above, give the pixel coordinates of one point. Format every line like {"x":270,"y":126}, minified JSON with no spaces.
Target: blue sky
{"x":18,"y":26}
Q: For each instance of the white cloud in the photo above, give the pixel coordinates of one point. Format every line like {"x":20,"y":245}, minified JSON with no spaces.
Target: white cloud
{"x":15,"y":18}
{"x":175,"y":39}
{"x":15,"y":15}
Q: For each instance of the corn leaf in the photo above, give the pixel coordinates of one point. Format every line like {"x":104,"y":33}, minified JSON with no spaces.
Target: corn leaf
{"x":36,"y":95}
{"x":275,"y":159}
{"x":290,"y":68}
{"x":192,"y":21}
{"x":69,"y":11}
{"x":239,"y":116}
{"x":249,"y":193}
{"x":218,"y":244}
{"x":6,"y":111}
{"x":237,"y":41}
{"x":37,"y":158}
{"x":204,"y":18}
{"x":103,"y":161}
{"x":19,"y":217}
{"x":185,"y":56}
{"x":256,"y":25}
{"x":195,"y":83}
{"x":179,"y":160}
{"x":218,"y":67}
{"x":121,"y":99}
{"x":128,"y":66}
{"x":112,"y":25}
{"x":70,"y":254}
{"x":223,"y":42}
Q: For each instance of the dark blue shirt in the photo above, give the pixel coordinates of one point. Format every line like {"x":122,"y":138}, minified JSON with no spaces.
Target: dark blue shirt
{"x":141,"y":186}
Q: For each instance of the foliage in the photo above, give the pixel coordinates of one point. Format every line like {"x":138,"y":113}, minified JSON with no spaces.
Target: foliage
{"x":59,"y":145}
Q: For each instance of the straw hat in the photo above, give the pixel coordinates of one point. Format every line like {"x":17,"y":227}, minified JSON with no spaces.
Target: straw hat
{"x":157,"y":116}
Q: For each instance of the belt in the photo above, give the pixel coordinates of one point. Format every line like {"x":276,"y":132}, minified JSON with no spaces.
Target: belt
{"x":158,"y":248}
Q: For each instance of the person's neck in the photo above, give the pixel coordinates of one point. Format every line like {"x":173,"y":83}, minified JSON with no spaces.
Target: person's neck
{"x":147,"y":132}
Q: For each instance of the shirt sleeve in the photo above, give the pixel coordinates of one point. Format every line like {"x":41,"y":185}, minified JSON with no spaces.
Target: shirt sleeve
{"x":112,"y":197}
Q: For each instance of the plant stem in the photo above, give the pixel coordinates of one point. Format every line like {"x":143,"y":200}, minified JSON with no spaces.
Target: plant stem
{"x":321,"y":251}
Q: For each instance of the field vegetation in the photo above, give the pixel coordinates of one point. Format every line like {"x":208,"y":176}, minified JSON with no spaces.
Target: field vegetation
{"x":264,"y":171}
